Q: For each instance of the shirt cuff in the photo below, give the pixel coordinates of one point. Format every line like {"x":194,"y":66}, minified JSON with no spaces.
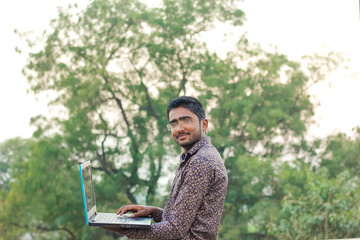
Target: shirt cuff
{"x":157,"y":216}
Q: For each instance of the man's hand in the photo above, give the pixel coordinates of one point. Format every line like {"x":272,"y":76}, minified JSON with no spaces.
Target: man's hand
{"x":137,"y":210}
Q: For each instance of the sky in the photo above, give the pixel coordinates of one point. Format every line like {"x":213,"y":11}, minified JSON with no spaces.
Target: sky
{"x":295,"y":27}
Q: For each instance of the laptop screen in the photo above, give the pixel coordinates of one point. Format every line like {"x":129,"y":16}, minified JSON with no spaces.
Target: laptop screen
{"x":89,"y":187}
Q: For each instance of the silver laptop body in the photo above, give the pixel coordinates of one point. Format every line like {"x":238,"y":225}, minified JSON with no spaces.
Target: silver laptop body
{"x":94,"y":218}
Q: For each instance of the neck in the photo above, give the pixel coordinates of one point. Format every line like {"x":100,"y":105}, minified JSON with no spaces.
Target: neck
{"x":187,"y":148}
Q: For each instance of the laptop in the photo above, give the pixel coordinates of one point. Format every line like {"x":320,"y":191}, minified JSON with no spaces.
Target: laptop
{"x":94,"y":218}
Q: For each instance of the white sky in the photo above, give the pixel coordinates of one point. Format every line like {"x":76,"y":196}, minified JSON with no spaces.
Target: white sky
{"x":296,"y":27}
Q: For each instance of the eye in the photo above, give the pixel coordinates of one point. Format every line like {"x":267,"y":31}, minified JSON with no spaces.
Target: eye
{"x":187,"y":120}
{"x":173,"y":124}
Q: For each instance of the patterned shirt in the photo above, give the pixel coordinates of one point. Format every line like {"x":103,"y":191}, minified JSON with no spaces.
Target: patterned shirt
{"x":194,"y":207}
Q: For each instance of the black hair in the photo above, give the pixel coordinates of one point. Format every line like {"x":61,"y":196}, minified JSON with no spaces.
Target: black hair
{"x":188,"y":102}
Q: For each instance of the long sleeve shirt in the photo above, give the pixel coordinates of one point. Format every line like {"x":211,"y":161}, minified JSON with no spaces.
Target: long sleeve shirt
{"x":194,"y":207}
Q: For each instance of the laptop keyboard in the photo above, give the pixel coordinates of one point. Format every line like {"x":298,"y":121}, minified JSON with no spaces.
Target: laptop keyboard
{"x":109,"y":218}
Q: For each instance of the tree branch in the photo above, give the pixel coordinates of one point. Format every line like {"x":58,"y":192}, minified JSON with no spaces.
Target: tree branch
{"x":121,"y":42}
{"x":148,"y":98}
{"x":184,"y":72}
{"x":47,"y":229}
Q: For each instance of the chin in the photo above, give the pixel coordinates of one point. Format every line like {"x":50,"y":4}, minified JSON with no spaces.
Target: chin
{"x":186,"y":145}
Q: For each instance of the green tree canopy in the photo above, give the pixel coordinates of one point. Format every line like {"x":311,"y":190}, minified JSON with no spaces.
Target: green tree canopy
{"x":112,"y":68}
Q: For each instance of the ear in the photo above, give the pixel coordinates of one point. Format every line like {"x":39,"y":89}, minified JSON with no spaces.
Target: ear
{"x":204,"y":125}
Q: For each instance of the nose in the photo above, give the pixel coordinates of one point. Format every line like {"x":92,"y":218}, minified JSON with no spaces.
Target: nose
{"x":179,"y":127}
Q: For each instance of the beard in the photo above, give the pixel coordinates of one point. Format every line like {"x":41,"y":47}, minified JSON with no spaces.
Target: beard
{"x":190,"y":142}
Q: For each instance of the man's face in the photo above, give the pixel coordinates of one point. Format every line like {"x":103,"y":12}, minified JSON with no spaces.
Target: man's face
{"x":186,"y":130}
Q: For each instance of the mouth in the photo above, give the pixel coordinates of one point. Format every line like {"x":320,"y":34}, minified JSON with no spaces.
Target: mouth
{"x":181,"y":135}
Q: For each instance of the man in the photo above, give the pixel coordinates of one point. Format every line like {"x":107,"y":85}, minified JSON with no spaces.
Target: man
{"x":194,"y":207}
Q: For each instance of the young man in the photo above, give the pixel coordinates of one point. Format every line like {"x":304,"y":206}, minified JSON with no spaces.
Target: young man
{"x":194,"y":207}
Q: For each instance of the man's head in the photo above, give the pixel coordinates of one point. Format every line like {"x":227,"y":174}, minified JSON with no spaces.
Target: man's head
{"x":190,"y":103}
{"x":187,"y":121}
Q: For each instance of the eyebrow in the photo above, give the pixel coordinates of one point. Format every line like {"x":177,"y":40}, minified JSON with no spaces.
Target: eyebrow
{"x":180,"y":118}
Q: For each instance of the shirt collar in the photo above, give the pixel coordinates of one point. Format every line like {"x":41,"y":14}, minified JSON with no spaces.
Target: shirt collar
{"x":203,"y":141}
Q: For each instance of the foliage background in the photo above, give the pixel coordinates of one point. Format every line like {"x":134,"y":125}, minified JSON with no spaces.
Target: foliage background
{"x":113,"y":68}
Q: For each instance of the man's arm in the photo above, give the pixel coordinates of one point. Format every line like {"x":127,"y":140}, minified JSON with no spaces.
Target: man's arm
{"x":193,"y":189}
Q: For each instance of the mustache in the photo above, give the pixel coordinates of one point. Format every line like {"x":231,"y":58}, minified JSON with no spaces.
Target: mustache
{"x":182,"y":133}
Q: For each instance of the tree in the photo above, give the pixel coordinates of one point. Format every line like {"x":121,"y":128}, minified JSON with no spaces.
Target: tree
{"x":112,"y":68}
{"x":12,"y":153}
{"x":327,"y":205}
{"x":342,"y":154}
{"x":328,"y":209}
{"x":41,"y":196}
{"x":261,"y":108}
